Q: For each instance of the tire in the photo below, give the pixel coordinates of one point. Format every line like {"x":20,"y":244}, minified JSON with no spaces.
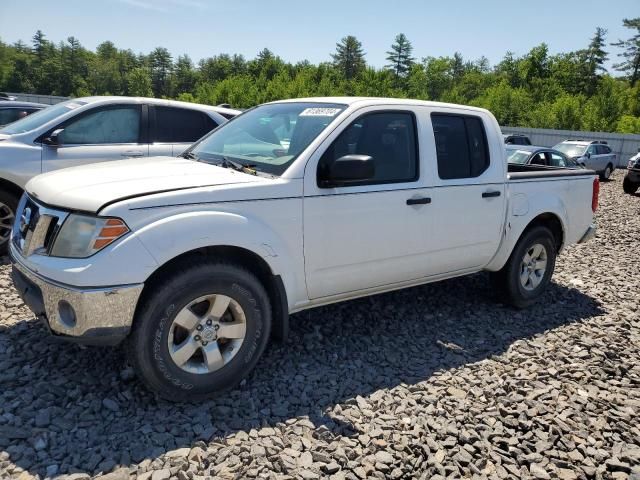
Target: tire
{"x":8,"y":207}
{"x":155,"y":345}
{"x":509,"y":280}
{"x":628,"y":186}
{"x":606,"y":173}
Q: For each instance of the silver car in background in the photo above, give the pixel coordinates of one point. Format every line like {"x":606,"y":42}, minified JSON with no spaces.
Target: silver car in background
{"x":595,"y":155}
{"x":95,"y":129}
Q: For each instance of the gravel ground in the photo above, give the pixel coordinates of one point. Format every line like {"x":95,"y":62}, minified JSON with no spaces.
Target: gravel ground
{"x":432,"y":382}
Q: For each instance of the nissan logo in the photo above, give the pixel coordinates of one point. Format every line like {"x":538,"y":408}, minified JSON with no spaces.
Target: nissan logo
{"x":25,"y":220}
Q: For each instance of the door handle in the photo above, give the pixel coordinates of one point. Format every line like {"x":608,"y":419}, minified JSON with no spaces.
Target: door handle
{"x":495,"y":193}
{"x":133,"y":154}
{"x":419,"y":201}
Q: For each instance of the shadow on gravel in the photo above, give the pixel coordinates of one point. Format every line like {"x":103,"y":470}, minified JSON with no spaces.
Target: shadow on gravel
{"x":82,"y":410}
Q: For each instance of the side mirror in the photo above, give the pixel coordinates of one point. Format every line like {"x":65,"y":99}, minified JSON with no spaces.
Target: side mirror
{"x":588,"y":154}
{"x":347,"y":170}
{"x":53,"y":140}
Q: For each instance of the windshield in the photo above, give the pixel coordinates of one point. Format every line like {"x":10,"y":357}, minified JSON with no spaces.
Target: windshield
{"x":268,"y":138}
{"x":36,"y":120}
{"x":517,"y":156}
{"x":571,"y":149}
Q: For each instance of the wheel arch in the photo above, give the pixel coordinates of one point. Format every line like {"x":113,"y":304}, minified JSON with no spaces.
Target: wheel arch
{"x":549,"y":219}
{"x":244,"y":258}
{"x":11,"y":187}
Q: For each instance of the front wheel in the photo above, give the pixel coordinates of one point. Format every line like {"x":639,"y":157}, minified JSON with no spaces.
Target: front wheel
{"x":8,"y":207}
{"x":528,"y":271}
{"x":628,"y":186}
{"x":201,"y":331}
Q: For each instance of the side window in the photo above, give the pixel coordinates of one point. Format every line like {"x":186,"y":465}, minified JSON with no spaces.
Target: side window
{"x":538,"y":159}
{"x":603,"y":150}
{"x":8,"y":115}
{"x":557,"y":160}
{"x":389,"y":138}
{"x":592,"y":150}
{"x":104,"y":126}
{"x":181,"y":125}
{"x":461,"y":146}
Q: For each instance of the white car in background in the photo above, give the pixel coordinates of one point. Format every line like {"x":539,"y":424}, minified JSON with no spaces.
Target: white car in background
{"x":95,"y":129}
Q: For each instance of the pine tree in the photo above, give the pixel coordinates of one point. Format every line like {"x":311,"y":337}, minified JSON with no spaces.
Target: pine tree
{"x":399,"y":57}
{"x":161,"y":67}
{"x":349,"y":57}
{"x":631,"y":54}
{"x":594,"y":58}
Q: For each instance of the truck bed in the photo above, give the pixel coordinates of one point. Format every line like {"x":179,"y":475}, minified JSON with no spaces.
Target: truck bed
{"x":530,"y":172}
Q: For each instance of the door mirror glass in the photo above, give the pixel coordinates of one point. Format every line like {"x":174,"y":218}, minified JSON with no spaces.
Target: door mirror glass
{"x":349,"y":169}
{"x":53,"y":140}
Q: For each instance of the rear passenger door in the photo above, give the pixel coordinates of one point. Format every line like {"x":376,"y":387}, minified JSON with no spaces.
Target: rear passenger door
{"x":468,"y":199}
{"x":174,"y":129}
{"x":607,"y":157}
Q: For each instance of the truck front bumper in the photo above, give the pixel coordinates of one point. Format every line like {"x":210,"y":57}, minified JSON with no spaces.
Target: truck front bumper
{"x":92,"y":316}
{"x":589,"y":234}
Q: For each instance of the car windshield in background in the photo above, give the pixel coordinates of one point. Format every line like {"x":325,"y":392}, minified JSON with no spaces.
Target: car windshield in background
{"x":571,"y":149}
{"x":517,"y":156}
{"x":36,"y":120}
{"x":267,"y":138}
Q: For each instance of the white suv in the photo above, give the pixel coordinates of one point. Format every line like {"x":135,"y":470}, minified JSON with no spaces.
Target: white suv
{"x":95,"y":129}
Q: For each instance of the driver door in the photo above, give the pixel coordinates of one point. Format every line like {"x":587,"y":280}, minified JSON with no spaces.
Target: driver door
{"x":376,"y":232}
{"x":97,"y":135}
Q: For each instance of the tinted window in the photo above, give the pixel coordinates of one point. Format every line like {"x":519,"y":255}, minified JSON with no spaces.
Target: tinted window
{"x":104,"y":126}
{"x":603,"y":149}
{"x":461,"y":146}
{"x":8,"y":115}
{"x":389,"y":138}
{"x":557,"y":160}
{"x":180,"y":125}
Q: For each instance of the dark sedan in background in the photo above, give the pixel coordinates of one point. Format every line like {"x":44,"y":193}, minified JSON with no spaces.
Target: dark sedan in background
{"x":542,"y":156}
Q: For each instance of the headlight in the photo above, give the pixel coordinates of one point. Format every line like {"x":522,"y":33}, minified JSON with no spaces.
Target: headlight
{"x":81,"y":235}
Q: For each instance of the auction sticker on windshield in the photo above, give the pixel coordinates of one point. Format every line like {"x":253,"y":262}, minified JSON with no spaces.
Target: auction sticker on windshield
{"x":320,"y":112}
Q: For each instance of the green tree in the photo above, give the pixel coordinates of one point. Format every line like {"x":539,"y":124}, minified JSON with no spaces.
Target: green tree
{"x":139,"y":83}
{"x":399,"y":57}
{"x":161,"y":65}
{"x":349,"y":57}
{"x":595,"y":58}
{"x":630,"y":64}
{"x":184,"y":75}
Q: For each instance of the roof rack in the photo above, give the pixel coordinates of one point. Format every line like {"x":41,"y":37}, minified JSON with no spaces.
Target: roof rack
{"x":224,"y":105}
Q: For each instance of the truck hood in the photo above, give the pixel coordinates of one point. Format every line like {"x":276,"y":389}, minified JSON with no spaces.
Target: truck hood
{"x":90,"y":187}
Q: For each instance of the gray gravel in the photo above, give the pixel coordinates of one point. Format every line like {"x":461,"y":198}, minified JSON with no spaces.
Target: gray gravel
{"x":439,"y":381}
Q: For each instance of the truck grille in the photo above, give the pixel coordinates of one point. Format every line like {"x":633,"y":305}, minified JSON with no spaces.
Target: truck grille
{"x":35,"y":227}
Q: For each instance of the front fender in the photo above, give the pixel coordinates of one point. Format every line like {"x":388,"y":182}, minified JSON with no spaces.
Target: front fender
{"x":169,"y":237}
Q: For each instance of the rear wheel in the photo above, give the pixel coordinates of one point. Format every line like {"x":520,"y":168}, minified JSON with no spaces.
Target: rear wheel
{"x":201,"y":331}
{"x":528,"y":271}
{"x":606,"y":173}
{"x":8,"y":207}
{"x":628,"y":186}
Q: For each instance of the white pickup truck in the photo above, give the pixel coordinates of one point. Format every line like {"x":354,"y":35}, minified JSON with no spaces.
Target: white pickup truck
{"x":198,"y":261}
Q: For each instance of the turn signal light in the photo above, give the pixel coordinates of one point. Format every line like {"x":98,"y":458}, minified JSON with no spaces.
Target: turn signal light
{"x":595,"y":194}
{"x":113,"y":229}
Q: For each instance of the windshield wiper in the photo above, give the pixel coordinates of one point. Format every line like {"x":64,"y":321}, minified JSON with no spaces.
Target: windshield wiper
{"x":240,"y":167}
{"x":188,"y":155}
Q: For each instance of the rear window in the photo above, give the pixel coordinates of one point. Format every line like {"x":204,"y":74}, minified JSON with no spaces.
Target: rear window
{"x":181,"y":125}
{"x":461,"y":145}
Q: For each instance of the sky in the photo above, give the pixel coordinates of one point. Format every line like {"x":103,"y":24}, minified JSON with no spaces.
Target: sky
{"x":299,"y":29}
